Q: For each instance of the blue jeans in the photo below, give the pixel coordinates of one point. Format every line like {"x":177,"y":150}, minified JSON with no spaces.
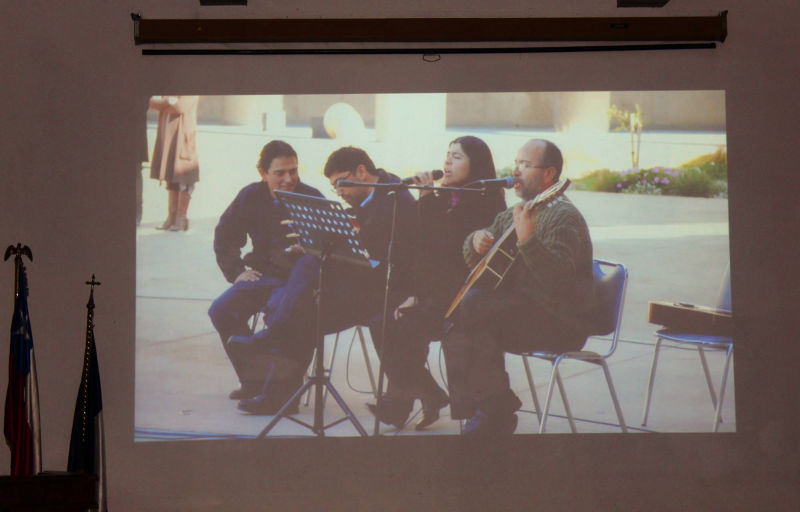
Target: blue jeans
{"x":231,"y":311}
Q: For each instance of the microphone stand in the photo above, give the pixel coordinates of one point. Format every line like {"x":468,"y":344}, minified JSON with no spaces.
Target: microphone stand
{"x":392,"y":189}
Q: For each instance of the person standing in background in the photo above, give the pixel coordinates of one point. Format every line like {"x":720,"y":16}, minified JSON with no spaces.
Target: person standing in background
{"x":175,"y":155}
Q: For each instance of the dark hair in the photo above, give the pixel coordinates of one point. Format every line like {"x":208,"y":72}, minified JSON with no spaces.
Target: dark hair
{"x":551,"y":157}
{"x":272,"y":150}
{"x":481,"y":164}
{"x":347,"y":159}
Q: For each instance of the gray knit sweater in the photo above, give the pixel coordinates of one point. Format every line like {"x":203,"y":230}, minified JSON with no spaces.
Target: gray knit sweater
{"x":554,"y":265}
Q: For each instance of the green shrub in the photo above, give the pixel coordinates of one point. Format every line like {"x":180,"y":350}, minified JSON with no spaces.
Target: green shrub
{"x":694,"y":182}
{"x":602,"y":180}
{"x":720,"y":156}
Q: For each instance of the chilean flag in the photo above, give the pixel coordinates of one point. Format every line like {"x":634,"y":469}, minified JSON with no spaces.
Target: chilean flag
{"x":21,"y":427}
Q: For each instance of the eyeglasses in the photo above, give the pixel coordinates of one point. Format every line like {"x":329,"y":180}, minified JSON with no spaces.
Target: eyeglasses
{"x":335,"y":182}
{"x":524,"y":164}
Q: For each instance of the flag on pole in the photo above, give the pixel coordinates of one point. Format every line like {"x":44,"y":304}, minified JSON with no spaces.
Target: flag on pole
{"x":87,"y":443}
{"x":21,"y":425}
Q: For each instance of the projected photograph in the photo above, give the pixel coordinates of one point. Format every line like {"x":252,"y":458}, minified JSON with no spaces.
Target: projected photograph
{"x":557,"y":262}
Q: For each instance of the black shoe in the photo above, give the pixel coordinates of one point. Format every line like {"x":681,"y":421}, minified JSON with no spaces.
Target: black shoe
{"x":267,"y":404}
{"x":430,"y":410}
{"x":247,"y":390}
{"x":482,"y":424}
{"x":392,"y":412}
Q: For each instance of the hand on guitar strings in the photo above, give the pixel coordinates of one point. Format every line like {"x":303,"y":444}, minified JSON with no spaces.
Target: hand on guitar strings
{"x":524,"y":222}
{"x":482,"y":241}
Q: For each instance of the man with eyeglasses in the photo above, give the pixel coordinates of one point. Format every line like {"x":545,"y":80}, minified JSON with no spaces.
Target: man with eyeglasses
{"x":351,"y":295}
{"x":543,"y":303}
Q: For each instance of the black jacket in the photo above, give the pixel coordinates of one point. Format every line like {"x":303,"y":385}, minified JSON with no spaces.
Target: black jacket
{"x":442,"y":227}
{"x":256,"y":214}
{"x":375,"y":225}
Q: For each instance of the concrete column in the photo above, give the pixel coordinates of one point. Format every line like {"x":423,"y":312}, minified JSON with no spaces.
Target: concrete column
{"x":582,"y":111}
{"x":262,"y":112}
{"x":401,"y":116}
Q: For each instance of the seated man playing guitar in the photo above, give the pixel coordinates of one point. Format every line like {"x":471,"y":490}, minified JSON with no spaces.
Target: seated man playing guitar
{"x":542,"y":301}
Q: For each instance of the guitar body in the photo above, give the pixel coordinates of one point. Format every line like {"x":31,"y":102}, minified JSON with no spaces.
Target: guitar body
{"x":490,"y":271}
{"x":493,"y":268}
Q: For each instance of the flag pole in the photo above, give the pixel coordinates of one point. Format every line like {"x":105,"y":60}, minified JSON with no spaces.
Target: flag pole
{"x":87,"y":442}
{"x":21,"y":424}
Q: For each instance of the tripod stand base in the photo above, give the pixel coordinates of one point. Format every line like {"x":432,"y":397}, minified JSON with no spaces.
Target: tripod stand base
{"x":319,"y":427}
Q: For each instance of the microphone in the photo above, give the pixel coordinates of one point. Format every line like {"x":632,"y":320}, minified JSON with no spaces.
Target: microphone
{"x":507,"y":182}
{"x":436,"y":175}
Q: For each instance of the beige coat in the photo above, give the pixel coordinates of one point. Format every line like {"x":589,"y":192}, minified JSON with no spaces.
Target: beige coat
{"x":175,"y":152}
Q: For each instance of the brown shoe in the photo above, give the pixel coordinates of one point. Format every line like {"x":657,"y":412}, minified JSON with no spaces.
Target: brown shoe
{"x":172,"y":208}
{"x":181,"y":222}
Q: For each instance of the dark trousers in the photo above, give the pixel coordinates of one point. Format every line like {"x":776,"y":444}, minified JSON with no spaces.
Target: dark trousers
{"x":350,"y":296}
{"x":488,"y":324}
{"x":230,"y":312}
{"x":405,"y":355}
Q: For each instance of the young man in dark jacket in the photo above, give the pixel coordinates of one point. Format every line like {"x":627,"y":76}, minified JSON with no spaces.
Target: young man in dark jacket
{"x":351,"y":294}
{"x":257,"y":214}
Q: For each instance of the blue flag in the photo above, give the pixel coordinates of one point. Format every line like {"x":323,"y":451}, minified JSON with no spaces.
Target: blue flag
{"x":87,"y":443}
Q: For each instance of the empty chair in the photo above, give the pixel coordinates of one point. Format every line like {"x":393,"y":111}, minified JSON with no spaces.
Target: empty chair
{"x":703,"y":342}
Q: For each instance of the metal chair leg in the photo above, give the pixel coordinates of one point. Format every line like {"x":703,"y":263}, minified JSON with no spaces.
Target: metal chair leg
{"x":613,"y":396}
{"x":718,"y":409}
{"x":531,"y":386}
{"x":562,"y":390}
{"x":254,"y":322}
{"x":650,"y":381}
{"x":554,"y":379}
{"x":707,"y":374}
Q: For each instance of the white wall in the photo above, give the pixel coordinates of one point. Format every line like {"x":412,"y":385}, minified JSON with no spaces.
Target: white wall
{"x":72,"y":91}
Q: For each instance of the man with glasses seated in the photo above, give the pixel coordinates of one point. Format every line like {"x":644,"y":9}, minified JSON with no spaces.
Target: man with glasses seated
{"x":351,"y":294}
{"x":257,"y":214}
{"x":543,"y":303}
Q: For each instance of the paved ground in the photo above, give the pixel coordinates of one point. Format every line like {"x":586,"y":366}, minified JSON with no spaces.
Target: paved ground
{"x":675,"y":249}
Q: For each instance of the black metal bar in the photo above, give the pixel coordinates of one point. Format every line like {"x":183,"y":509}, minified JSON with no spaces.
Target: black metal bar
{"x":405,"y":30}
{"x":430,"y":51}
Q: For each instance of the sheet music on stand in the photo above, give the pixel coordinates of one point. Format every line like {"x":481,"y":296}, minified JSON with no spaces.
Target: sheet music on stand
{"x":323,"y":226}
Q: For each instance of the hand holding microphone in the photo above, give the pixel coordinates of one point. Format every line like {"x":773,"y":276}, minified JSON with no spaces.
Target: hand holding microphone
{"x":412,"y":180}
{"x":424,"y":179}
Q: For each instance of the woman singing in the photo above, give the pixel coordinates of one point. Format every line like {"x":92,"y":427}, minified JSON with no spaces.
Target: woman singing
{"x":445,"y":220}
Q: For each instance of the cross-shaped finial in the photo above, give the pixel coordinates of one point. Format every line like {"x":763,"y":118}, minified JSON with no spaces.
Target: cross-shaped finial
{"x":93,"y":283}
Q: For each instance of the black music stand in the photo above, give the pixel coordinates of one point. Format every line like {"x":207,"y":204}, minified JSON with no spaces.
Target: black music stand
{"x":323,"y":228}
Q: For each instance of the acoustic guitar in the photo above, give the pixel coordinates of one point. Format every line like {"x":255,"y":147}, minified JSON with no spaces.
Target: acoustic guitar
{"x":492,"y":269}
{"x":693,"y":318}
